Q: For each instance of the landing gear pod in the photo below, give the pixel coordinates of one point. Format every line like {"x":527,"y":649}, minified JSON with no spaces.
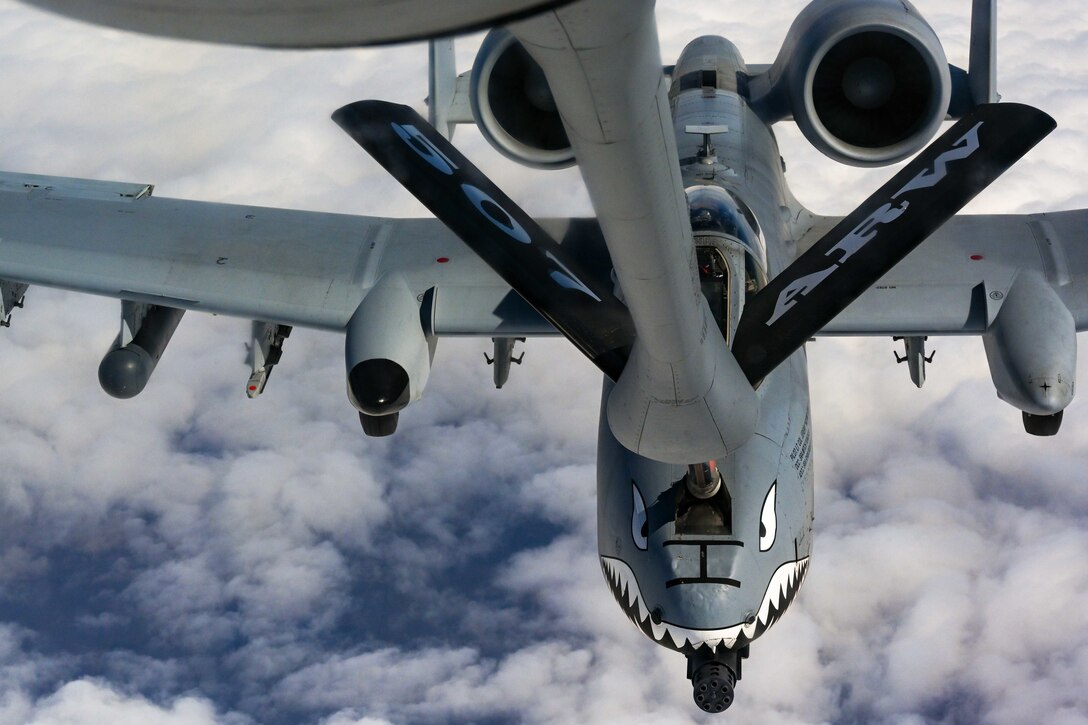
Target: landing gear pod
{"x":145,"y":332}
{"x":388,"y":354}
{"x":1032,"y":351}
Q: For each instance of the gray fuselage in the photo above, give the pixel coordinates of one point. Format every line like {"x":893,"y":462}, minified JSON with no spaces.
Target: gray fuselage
{"x":694,"y":573}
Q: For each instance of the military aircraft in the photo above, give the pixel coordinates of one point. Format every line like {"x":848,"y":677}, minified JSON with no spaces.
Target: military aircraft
{"x":694,"y":288}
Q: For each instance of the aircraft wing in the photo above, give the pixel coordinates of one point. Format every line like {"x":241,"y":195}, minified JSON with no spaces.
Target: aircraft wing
{"x":955,"y":282}
{"x":274,"y":265}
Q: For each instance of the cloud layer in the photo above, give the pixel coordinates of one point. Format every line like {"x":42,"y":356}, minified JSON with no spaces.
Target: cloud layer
{"x":191,"y":556}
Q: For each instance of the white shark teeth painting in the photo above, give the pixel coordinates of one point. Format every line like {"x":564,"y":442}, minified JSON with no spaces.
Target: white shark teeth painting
{"x":778,"y":595}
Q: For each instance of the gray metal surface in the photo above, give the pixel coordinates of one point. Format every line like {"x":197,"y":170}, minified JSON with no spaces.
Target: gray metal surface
{"x":312,"y":269}
{"x":387,"y":328}
{"x":696,"y":576}
{"x":957,"y":280}
{"x":982,"y":71}
{"x":1031,"y":348}
{"x":287,"y":267}
{"x":693,"y":590}
{"x":603,"y":63}
{"x":296,"y":23}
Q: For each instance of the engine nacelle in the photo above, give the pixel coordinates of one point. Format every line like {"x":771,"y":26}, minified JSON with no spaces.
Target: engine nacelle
{"x":388,"y":354}
{"x":867,"y":81}
{"x":1032,"y":348}
{"x":513,"y":105}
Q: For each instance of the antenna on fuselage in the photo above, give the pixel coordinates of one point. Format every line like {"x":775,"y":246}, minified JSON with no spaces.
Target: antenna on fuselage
{"x":707,"y":154}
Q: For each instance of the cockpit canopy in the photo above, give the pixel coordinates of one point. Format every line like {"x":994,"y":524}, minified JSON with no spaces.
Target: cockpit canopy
{"x":728,"y":247}
{"x":715,"y":210}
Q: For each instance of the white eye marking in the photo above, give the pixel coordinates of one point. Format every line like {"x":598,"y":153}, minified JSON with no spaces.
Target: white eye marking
{"x":768,"y":520}
{"x":639,"y":526}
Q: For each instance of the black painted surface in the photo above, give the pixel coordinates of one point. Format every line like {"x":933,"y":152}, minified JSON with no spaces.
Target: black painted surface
{"x":379,"y":386}
{"x":1007,"y":132}
{"x":504,"y":236}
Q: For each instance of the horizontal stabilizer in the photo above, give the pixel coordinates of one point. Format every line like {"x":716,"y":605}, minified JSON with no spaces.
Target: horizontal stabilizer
{"x":581,"y":306}
{"x":865,"y":245}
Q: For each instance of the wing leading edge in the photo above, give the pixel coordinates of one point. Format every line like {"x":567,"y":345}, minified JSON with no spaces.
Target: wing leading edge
{"x":283,"y":266}
{"x":955,"y":282}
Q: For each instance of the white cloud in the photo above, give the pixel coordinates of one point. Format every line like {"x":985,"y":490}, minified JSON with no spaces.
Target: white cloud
{"x":348,"y":718}
{"x":86,"y":701}
{"x":193,"y":556}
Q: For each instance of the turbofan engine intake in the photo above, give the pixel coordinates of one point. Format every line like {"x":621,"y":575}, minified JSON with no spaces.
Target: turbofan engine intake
{"x":866,"y":81}
{"x":513,"y":105}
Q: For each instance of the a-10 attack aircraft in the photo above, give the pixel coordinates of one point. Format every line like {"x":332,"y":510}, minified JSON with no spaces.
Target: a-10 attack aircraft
{"x":694,"y":289}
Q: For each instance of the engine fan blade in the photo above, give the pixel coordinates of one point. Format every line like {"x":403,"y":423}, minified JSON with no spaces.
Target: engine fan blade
{"x":865,"y":245}
{"x":578,"y":304}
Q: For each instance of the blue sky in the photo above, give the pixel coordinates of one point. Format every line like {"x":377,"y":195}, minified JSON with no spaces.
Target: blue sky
{"x":191,"y":556}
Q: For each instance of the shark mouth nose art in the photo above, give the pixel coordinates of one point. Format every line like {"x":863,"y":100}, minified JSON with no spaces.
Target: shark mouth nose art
{"x":780,"y":592}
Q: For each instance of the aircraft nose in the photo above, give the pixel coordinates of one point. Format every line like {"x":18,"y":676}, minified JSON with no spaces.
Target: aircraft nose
{"x":702,"y":562}
{"x":1049,"y":394}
